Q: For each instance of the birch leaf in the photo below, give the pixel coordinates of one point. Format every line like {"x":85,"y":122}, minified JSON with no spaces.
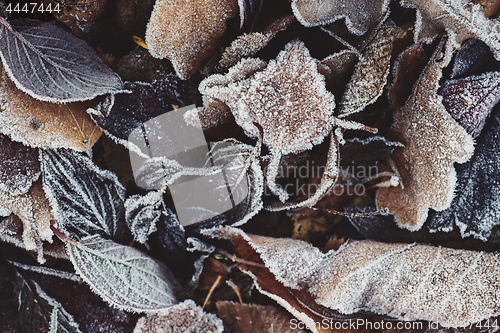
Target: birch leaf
{"x":359,"y":16}
{"x":377,"y":277}
{"x":85,"y":199}
{"x":433,"y":142}
{"x":461,"y":19}
{"x":370,"y":74}
{"x":50,"y":64}
{"x":187,"y":32}
{"x":122,"y":275}
{"x":476,"y":207}
{"x":19,"y":166}
{"x":470,"y":100}
{"x":43,"y":124}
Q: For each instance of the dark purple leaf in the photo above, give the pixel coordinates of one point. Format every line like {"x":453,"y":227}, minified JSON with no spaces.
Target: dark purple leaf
{"x":85,"y":199}
{"x":471,"y":99}
{"x":50,"y":64}
{"x":473,"y":58}
{"x":19,"y":166}
{"x":476,"y":206}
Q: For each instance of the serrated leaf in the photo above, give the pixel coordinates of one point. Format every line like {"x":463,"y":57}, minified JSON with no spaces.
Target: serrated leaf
{"x":433,"y":143}
{"x":475,"y":210}
{"x":470,"y":100}
{"x":51,"y":64}
{"x":85,"y":200}
{"x":37,"y":311}
{"x":370,"y":74}
{"x":19,"y":166}
{"x":122,"y":275}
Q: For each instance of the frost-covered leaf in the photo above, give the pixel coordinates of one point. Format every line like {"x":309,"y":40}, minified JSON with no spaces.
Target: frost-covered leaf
{"x":433,"y":142}
{"x":288,"y":99}
{"x":366,"y":153}
{"x":38,"y":311}
{"x":250,"y":43}
{"x":370,"y":74}
{"x":475,"y":210}
{"x":19,"y":166}
{"x":122,"y":275}
{"x":461,"y":19}
{"x":359,"y":15}
{"x":403,"y":281}
{"x":341,"y":65}
{"x":33,"y":209}
{"x":187,"y":32}
{"x":50,"y":64}
{"x":142,"y":213}
{"x":474,"y":57}
{"x":43,"y":124}
{"x":243,"y":318}
{"x":186,"y":317}
{"x":85,"y":200}
{"x":249,"y":9}
{"x":470,"y":100}
{"x":144,"y":102}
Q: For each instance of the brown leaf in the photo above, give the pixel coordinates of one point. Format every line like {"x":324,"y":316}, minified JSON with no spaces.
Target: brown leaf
{"x":433,"y":142}
{"x":243,"y":318}
{"x":359,"y":15}
{"x":403,"y":281}
{"x":43,"y":124}
{"x":182,"y":317}
{"x":370,"y":74}
{"x":461,"y":19}
{"x":341,"y":65}
{"x":34,"y":210}
{"x":187,"y":31}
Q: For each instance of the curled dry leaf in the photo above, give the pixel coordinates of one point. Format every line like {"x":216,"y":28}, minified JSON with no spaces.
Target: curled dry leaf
{"x":50,"y":64}
{"x":19,"y":166}
{"x":433,"y":142}
{"x":44,"y":124}
{"x":123,"y":276}
{"x":470,"y":100}
{"x":461,"y":19}
{"x":34,"y":211}
{"x":183,"y":317}
{"x":370,"y":74}
{"x":403,"y":281}
{"x":359,"y":15}
{"x":187,"y":31}
{"x":476,"y":206}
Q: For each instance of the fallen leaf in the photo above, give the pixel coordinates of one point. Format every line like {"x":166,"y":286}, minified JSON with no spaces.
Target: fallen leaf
{"x":142,"y":212}
{"x":33,"y":209}
{"x":85,"y":200}
{"x":370,"y":74}
{"x":433,"y":142}
{"x":341,"y":65}
{"x":249,"y":10}
{"x":460,"y":19}
{"x":187,"y":32}
{"x":44,"y":124}
{"x":183,"y":317}
{"x":243,"y":318}
{"x":470,"y":100}
{"x":50,"y":64}
{"x":474,"y":57}
{"x":123,"y":276}
{"x":475,"y":210}
{"x":359,"y":16}
{"x":19,"y":166}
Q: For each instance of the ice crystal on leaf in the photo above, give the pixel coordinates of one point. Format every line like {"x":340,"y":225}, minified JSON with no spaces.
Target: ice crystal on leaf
{"x":85,"y":200}
{"x":142,"y":213}
{"x":473,"y":58}
{"x":359,"y":15}
{"x":476,"y":206}
{"x":433,"y":142}
{"x":187,"y":32}
{"x":50,"y":64}
{"x":183,"y":317}
{"x":123,"y":276}
{"x":44,"y":124}
{"x":461,"y":19}
{"x":470,"y":100}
